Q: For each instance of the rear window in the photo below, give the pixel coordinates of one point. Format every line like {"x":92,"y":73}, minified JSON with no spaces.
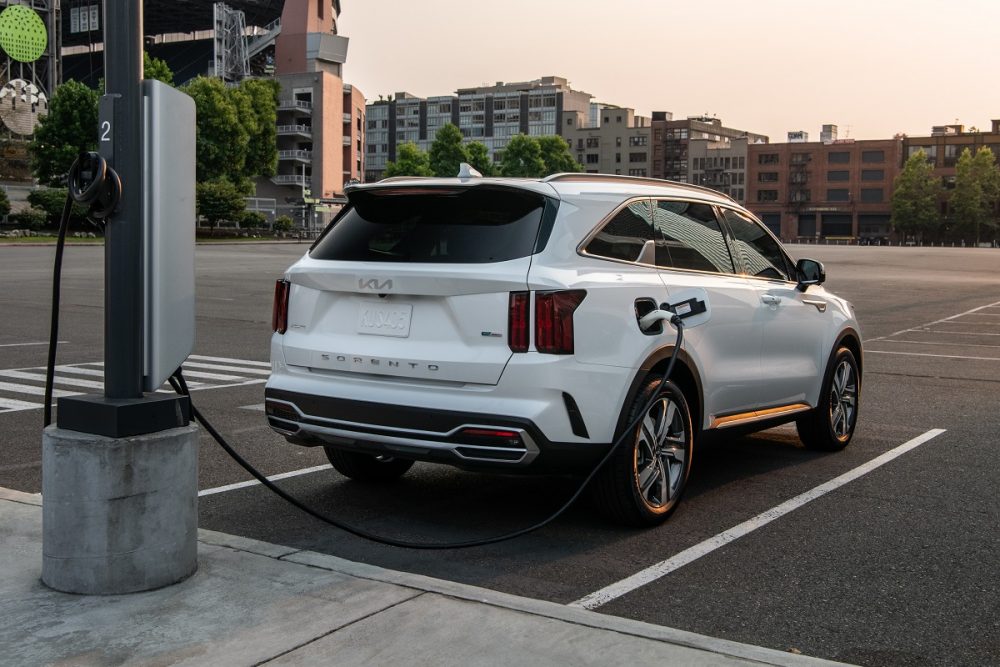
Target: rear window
{"x":469,"y":225}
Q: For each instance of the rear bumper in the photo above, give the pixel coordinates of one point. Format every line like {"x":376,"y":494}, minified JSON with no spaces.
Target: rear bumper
{"x":422,"y":434}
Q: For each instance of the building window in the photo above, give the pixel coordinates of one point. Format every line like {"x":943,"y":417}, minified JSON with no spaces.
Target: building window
{"x":838,"y":194}
{"x":838,"y":157}
{"x":872,"y":196}
{"x":637,"y":141}
{"x":636,"y":157}
{"x":767,"y":177}
{"x":593,"y":142}
{"x":592,"y":158}
{"x":767,"y":158}
{"x":767,"y":195}
{"x":873,"y":156}
{"x":838,"y":175}
{"x":618,"y":157}
{"x":873,"y":174}
{"x":800,"y":158}
{"x":636,"y":172}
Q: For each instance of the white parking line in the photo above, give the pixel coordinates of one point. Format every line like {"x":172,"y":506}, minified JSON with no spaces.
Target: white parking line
{"x":663,"y":568}
{"x":934,"y":342}
{"x":238,"y":362}
{"x":58,"y":379}
{"x":945,"y":319}
{"x":34,"y":391}
{"x":44,"y":342}
{"x":235,"y":369}
{"x":254,"y":482}
{"x":957,"y":333}
{"x":925,"y":354}
{"x":258,"y":407}
{"x":14,"y":404}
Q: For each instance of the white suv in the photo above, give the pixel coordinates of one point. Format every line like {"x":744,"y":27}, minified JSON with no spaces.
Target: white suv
{"x":493,"y":323}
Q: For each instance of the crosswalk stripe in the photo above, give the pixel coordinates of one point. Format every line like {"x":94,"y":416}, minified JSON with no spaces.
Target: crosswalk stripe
{"x":40,"y":377}
{"x":79,"y":370}
{"x":34,"y":391}
{"x":12,"y":404}
{"x":228,"y":360}
{"x":213,"y":376}
{"x":217,"y":367}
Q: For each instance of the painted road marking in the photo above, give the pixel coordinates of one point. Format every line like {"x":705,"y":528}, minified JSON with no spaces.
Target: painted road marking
{"x":254,"y":482}
{"x":259,"y":407}
{"x":12,"y":404}
{"x":241,"y":362}
{"x":58,"y":379}
{"x":925,"y":354}
{"x":44,"y":342}
{"x":934,"y":342}
{"x":663,"y":568}
{"x":217,"y":367}
{"x":945,"y":319}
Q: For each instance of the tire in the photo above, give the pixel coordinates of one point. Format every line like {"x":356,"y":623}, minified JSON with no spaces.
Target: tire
{"x":658,"y":450}
{"x":367,"y":467}
{"x":830,"y":427}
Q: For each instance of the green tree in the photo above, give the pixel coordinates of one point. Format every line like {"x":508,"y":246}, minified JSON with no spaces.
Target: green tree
{"x":51,"y":202}
{"x":915,"y":198}
{"x":4,"y":203}
{"x":479,"y":158}
{"x":222,"y":139}
{"x":974,"y":199}
{"x":447,"y":152}
{"x":522,"y":157}
{"x":69,"y":129}
{"x":410,"y":161}
{"x":556,"y":155}
{"x":283,"y":223}
{"x":154,"y":68}
{"x":259,"y":115}
{"x":219,"y":200}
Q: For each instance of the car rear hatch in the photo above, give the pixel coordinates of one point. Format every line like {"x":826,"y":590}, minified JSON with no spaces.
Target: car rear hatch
{"x":413,"y":282}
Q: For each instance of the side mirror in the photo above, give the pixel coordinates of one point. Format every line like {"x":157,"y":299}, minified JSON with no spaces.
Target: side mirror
{"x":809,"y":272}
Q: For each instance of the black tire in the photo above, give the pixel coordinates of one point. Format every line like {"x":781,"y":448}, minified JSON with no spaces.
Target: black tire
{"x":830,"y":427}
{"x":367,"y":467}
{"x":661,"y":447}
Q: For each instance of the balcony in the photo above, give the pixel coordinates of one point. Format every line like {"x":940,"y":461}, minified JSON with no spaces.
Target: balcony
{"x":291,"y":179}
{"x":295,"y":105}
{"x":347,"y":119}
{"x":347,"y":141}
{"x":295,"y":130}
{"x":298,"y":155}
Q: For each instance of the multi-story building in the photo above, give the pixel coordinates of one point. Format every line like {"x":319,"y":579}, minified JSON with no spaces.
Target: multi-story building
{"x":619,"y":142}
{"x":671,"y":154}
{"x":720,"y":165}
{"x":841,"y":189}
{"x":488,"y":114}
{"x":945,"y":145}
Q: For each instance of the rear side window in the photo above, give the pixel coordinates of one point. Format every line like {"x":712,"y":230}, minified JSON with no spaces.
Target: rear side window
{"x":762,"y":256}
{"x":624,"y":235}
{"x":469,"y":225}
{"x":688,"y":236}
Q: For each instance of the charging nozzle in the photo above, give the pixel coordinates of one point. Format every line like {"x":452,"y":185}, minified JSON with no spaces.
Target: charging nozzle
{"x":650,"y":319}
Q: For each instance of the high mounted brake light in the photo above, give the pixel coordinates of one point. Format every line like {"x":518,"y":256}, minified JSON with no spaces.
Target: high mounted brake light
{"x":279,"y":311}
{"x":554,"y":320}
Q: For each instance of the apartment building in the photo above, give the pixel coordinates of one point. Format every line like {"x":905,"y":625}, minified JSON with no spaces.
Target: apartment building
{"x":671,"y":142}
{"x":615,"y":141}
{"x":491,"y":115}
{"x":841,"y":189}
{"x":720,"y":165}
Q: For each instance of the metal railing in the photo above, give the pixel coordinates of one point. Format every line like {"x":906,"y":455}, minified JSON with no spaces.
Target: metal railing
{"x":295,"y":155}
{"x":295,"y":129}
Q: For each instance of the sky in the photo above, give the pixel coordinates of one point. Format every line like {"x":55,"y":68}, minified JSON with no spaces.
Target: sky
{"x":874,"y":68}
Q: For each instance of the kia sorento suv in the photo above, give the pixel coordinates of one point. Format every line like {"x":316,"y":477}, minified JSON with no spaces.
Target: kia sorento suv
{"x":494,"y":324}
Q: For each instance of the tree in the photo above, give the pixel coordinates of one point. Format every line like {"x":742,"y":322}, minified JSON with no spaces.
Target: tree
{"x":219,"y":200}
{"x":479,"y":158}
{"x":556,"y":155}
{"x":522,"y":157}
{"x":915,"y":198}
{"x":260,"y":118}
{"x":410,"y":161}
{"x":974,"y":199}
{"x":69,"y":129}
{"x":447,"y":152}
{"x":52,"y":201}
{"x":4,"y":203}
{"x":222,"y":139}
{"x":154,"y":68}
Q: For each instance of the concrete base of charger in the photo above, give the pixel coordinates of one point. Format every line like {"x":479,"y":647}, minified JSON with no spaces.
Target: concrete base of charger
{"x":120,"y":514}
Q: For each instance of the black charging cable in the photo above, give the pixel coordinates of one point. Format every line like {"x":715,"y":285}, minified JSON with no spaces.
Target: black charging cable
{"x":90,"y":182}
{"x":180,"y":386}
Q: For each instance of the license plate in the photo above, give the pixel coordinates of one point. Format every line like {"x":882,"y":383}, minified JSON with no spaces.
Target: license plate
{"x":384,"y":319}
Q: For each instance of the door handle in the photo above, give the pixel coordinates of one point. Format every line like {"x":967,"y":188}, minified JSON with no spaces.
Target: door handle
{"x":771,"y":300}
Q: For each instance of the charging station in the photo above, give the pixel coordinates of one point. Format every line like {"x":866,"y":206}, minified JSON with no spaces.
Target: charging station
{"x":119,"y":470}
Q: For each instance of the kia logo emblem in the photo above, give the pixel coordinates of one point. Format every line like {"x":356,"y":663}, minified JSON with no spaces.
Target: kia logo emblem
{"x":374,"y":284}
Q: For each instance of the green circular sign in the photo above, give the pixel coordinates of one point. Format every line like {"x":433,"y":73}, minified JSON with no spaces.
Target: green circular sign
{"x":22,"y":34}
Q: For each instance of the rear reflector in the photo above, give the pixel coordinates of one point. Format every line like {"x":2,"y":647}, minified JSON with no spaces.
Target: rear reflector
{"x":279,"y":312}
{"x":517,"y":322}
{"x":554,"y":320}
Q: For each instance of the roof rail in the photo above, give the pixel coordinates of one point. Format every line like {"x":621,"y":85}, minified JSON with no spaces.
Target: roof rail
{"x":392,"y":179}
{"x":571,"y":176}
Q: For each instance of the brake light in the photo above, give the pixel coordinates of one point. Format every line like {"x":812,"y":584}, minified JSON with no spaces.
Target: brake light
{"x":279,"y":312}
{"x":554,"y":320}
{"x":517,"y":322}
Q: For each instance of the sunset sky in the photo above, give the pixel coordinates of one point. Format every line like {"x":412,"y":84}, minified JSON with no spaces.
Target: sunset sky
{"x":872,"y":67}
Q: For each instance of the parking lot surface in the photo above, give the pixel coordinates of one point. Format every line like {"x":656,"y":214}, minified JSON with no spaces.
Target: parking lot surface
{"x":883,"y":554}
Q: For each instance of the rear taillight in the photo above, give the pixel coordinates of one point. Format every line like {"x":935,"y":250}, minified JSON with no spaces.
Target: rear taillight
{"x":279,"y":313}
{"x":554,"y":320}
{"x":517,"y":321}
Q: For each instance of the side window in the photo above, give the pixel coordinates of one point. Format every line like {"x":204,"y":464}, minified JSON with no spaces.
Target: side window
{"x":624,"y":235}
{"x":762,"y":255}
{"x":688,"y":236}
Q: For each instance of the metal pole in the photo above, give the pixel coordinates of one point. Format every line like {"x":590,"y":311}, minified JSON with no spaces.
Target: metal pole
{"x":123,"y":260}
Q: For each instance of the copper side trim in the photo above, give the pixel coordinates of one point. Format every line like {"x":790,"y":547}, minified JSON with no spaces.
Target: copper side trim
{"x":758,"y":415}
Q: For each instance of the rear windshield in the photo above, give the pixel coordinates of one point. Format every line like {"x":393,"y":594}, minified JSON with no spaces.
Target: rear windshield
{"x":471,"y":225}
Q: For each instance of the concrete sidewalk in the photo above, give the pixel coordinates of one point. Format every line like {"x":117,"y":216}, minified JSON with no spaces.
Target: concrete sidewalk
{"x":252,"y":603}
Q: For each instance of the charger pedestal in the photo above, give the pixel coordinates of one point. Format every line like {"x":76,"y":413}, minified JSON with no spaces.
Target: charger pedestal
{"x":119,"y":515}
